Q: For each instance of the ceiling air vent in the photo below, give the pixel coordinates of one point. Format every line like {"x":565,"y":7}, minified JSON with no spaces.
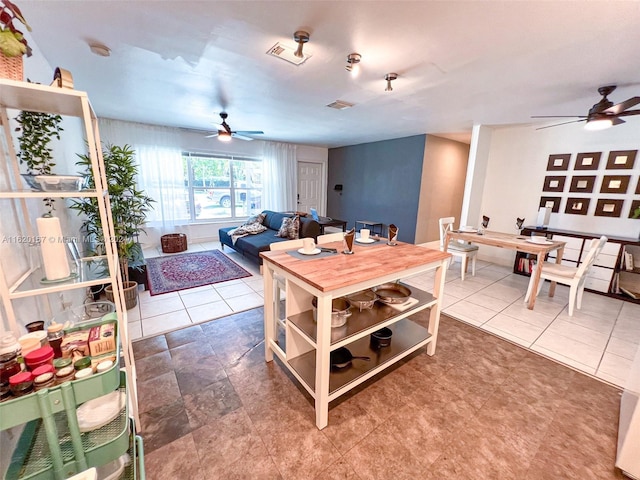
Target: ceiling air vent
{"x":340,"y":105}
{"x":287,"y":53}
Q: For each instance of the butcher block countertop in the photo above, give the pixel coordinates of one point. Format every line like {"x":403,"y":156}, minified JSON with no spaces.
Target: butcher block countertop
{"x":367,"y":262}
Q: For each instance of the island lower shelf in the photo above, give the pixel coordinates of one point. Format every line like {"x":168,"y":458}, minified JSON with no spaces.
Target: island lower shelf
{"x":407,"y":337}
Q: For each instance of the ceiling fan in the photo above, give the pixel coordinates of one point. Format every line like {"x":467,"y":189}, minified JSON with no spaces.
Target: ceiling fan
{"x":603,"y":114}
{"x":225,"y":133}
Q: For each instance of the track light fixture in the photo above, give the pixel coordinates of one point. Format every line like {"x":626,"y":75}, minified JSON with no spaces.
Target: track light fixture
{"x":389,"y":77}
{"x":301,"y":37}
{"x":353,"y":64}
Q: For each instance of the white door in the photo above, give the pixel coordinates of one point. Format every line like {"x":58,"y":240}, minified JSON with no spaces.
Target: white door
{"x":309,"y":186}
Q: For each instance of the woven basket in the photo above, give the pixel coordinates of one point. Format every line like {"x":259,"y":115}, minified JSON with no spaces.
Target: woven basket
{"x":173,"y":243}
{"x":11,"y":67}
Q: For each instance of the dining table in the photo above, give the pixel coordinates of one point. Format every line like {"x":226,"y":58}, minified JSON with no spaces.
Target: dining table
{"x":517,"y":242}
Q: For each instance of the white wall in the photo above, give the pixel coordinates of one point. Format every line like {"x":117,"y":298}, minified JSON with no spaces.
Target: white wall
{"x":516,"y":163}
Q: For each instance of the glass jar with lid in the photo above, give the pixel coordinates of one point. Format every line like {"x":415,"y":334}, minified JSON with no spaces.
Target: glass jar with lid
{"x":54,"y":336}
{"x":21,"y":384}
{"x":44,"y":380}
{"x":10,"y":358}
{"x":65,"y":374}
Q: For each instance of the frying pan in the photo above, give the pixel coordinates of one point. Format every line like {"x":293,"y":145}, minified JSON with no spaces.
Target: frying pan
{"x":392,"y":293}
{"x":342,"y":357}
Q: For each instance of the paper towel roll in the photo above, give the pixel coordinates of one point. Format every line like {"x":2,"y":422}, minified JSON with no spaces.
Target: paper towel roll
{"x":53,"y":248}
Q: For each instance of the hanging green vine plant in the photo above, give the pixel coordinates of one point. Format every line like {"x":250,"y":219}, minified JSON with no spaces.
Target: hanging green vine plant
{"x":37,"y":130}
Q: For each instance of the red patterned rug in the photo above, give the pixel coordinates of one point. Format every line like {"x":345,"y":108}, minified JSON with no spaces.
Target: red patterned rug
{"x":189,"y":270}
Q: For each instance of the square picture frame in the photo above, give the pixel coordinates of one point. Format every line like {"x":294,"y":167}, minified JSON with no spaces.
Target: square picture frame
{"x":588,"y":161}
{"x":615,"y":184}
{"x":558,"y":162}
{"x":621,"y":159}
{"x":634,"y":205}
{"x":608,"y":207}
{"x":551,"y":202}
{"x":582,"y":183}
{"x":553,"y":184}
{"x":577,"y":205}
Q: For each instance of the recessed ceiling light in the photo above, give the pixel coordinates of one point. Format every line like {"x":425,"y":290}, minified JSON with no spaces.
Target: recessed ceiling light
{"x":100,"y":50}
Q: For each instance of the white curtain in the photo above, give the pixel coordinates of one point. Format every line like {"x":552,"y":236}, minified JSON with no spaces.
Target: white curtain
{"x":160,"y":166}
{"x":280,"y":183}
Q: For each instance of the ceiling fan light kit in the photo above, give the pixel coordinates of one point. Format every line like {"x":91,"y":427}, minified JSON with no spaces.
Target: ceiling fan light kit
{"x":301,"y":37}
{"x":598,"y":124}
{"x":389,"y":77}
{"x":225,"y":134}
{"x":353,"y":64}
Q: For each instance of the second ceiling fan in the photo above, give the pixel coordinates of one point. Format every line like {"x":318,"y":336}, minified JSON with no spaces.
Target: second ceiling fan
{"x":225,"y":133}
{"x":603,"y":114}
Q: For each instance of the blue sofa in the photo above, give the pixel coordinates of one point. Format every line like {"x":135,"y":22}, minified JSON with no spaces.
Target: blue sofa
{"x":250,"y":246}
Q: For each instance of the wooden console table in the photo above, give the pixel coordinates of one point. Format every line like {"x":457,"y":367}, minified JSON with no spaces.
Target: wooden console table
{"x":304,"y":345}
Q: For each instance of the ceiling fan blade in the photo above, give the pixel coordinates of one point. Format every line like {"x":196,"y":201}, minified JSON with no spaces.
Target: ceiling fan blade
{"x":622,"y":106}
{"x":240,"y":137}
{"x":558,"y":116}
{"x":629,"y":113}
{"x":211,"y":135}
{"x":249,"y":132}
{"x":563,"y":123}
{"x":617,"y":121}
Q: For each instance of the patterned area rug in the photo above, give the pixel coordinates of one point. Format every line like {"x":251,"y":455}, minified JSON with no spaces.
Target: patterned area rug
{"x":189,"y":270}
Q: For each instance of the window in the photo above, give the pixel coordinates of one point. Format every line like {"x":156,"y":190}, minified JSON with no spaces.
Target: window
{"x":221,"y":187}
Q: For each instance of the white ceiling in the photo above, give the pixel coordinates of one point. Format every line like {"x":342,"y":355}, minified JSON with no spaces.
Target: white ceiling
{"x":180,"y":63}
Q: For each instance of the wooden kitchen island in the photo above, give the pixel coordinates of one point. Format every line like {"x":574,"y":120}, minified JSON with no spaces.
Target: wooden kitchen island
{"x":305,"y":346}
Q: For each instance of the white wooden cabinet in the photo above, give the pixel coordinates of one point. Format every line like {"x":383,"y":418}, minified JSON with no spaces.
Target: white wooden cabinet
{"x":304,"y":346}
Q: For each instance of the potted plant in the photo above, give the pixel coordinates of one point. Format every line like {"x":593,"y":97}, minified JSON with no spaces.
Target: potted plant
{"x":13,"y":45}
{"x":129,"y":206}
{"x":37,"y":130}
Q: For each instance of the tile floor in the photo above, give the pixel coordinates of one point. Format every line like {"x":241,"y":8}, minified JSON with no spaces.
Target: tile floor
{"x":481,"y":408}
{"x":601,"y":339}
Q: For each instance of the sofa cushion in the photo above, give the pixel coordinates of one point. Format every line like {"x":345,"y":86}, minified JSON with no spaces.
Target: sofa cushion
{"x":290,"y":228}
{"x":252,"y":245}
{"x":273,"y":220}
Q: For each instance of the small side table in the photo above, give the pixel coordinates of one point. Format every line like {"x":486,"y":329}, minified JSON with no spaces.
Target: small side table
{"x":331,"y":222}
{"x":376,"y":228}
{"x":173,"y":243}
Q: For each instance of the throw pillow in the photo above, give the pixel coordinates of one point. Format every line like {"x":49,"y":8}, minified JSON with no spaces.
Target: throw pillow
{"x":259,"y":218}
{"x":290,"y":228}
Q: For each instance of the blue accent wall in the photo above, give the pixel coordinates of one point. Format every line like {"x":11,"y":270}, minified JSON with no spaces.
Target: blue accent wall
{"x":381,"y":182}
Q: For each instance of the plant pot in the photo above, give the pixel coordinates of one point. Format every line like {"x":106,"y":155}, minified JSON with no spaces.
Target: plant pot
{"x":130,"y":292}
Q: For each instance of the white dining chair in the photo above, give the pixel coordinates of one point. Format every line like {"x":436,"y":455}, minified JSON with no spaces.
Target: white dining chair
{"x":464,"y":250}
{"x":330,"y":237}
{"x":573,"y":277}
{"x":279,"y":284}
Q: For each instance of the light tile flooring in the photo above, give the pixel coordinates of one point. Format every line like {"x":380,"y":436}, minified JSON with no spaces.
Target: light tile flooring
{"x":601,"y":339}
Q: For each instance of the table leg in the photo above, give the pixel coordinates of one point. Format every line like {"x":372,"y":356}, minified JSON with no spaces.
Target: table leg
{"x":434,"y":314}
{"x":323,"y":363}
{"x":269,"y":312}
{"x":552,"y":287}
{"x":535,"y":280}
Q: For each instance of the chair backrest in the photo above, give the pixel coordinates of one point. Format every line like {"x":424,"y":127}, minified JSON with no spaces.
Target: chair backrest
{"x":287,"y":244}
{"x":595,"y":247}
{"x":446,"y":224}
{"x":330,"y":237}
